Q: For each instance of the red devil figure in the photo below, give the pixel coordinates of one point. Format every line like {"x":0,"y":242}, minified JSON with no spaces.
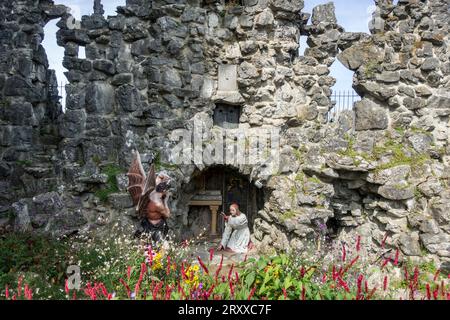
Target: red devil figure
{"x":150,"y":196}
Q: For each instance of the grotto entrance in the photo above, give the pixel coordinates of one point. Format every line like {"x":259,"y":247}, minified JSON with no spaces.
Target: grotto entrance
{"x":213,"y":191}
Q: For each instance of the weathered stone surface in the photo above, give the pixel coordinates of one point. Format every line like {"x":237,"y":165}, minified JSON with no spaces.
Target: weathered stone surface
{"x":359,"y":55}
{"x":400,"y":190}
{"x":370,"y":116}
{"x":22,"y":222}
{"x":394,"y":174}
{"x":100,"y":98}
{"x":409,"y":244}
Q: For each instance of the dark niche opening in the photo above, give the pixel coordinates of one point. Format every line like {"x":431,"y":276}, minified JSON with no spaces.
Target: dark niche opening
{"x":227,"y":116}
{"x":217,"y":188}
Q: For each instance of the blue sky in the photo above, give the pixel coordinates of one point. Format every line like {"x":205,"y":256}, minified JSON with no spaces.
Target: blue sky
{"x":353,"y":15}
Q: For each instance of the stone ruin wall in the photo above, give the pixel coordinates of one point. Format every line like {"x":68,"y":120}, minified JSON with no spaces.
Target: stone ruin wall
{"x":153,"y":68}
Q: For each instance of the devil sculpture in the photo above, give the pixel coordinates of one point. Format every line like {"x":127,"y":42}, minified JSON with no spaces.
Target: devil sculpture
{"x":150,"y":195}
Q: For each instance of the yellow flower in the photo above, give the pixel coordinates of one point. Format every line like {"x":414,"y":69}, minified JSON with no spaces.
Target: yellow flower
{"x":192,"y":278}
{"x":157,"y":264}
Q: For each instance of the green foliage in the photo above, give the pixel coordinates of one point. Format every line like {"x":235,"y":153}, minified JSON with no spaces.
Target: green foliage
{"x":111,"y":183}
{"x":288,"y":215}
{"x":173,"y":273}
{"x":159,"y":164}
{"x":40,"y":260}
{"x":24,"y":163}
{"x":370,"y":69}
{"x":4,"y":103}
{"x":399,"y":155}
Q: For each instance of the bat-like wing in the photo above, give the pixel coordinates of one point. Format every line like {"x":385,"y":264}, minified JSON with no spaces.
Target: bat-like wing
{"x":149,"y":186}
{"x":136,"y":178}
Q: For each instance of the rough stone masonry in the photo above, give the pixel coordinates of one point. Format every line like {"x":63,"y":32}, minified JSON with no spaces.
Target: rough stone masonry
{"x":381,"y":172}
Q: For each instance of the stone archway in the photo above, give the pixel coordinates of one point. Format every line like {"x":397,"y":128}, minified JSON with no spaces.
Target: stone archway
{"x":211,"y":191}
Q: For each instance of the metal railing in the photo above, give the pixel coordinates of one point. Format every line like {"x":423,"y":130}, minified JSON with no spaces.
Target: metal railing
{"x":343,"y":101}
{"x":58,"y":93}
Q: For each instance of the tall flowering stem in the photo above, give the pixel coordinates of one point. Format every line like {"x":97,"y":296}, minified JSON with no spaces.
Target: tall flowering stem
{"x":344,"y":252}
{"x":358,"y":244}
{"x":202,"y":265}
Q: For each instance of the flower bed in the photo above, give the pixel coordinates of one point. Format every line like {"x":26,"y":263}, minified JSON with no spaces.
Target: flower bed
{"x":118,"y":268}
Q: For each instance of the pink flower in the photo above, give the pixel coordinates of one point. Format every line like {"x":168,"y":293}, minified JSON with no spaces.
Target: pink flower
{"x":358,"y":244}
{"x":7,"y":292}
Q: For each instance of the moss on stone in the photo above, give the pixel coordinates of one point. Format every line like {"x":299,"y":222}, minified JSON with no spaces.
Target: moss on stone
{"x":111,"y":172}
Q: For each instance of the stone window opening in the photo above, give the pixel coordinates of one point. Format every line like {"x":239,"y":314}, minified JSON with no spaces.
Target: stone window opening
{"x":55,"y":55}
{"x":227,"y":116}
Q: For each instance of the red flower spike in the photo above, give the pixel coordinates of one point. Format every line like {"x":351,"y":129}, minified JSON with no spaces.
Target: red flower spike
{"x":397,"y":253}
{"x":358,"y":244}
{"x":302,"y":272}
{"x":230,"y":271}
{"x":211,"y":254}
{"x":126,"y":287}
{"x":168,"y":265}
{"x":371,"y":293}
{"x":383,"y":243}
{"x":66,"y":286}
{"x":428,"y":292}
{"x":385,"y":283}
{"x":386,"y":261}
{"x":252,"y":293}
{"x":128,"y":273}
{"x":219,"y":268}
{"x":7,"y":292}
{"x":359,"y":285}
{"x":436,"y":275}
{"x":19,"y":287}
{"x":344,"y":252}
{"x":436,"y":293}
{"x":202,"y":265}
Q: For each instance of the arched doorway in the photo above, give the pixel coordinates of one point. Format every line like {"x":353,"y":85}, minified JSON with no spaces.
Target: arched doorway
{"x":212,"y":192}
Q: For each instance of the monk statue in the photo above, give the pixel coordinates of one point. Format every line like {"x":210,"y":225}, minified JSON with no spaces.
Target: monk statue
{"x":150,"y":196}
{"x":236,"y":237}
